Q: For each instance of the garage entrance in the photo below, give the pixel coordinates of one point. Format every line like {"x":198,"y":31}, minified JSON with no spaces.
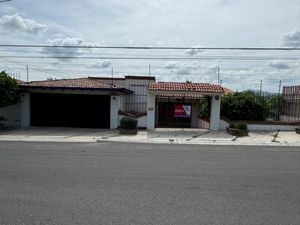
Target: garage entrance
{"x":70,"y":110}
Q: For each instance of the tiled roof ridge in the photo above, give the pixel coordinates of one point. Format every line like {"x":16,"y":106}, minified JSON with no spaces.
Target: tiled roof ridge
{"x":71,"y":79}
{"x":108,"y":83}
{"x":195,"y":87}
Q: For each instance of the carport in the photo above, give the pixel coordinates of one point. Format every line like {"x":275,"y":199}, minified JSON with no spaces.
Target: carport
{"x":173,"y":104}
{"x":83,"y":103}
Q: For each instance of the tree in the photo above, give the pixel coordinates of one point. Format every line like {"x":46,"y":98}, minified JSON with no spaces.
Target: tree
{"x":245,"y":105}
{"x":8,"y":90}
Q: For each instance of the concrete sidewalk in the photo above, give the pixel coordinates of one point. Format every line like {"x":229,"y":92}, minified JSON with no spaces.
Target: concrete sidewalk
{"x":161,"y":136}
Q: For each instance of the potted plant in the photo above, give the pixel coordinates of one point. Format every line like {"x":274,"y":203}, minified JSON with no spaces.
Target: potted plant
{"x":297,"y":129}
{"x":238,"y":129}
{"x":2,"y":121}
{"x":128,"y":126}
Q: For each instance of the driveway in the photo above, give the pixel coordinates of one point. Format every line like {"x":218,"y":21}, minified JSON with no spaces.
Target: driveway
{"x":56,"y":134}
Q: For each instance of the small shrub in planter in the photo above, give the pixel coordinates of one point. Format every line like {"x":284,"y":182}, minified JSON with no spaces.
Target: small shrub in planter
{"x":238,"y":129}
{"x":128,"y":125}
{"x":297,"y":130}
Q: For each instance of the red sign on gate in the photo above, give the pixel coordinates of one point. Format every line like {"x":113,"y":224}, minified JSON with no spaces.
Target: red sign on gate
{"x":182,"y":111}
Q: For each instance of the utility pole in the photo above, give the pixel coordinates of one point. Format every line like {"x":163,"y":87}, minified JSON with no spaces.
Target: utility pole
{"x":279,"y":90}
{"x":260,"y":88}
{"x":149,"y":70}
{"x":218,"y":70}
{"x":112,"y":75}
{"x":279,"y":106}
{"x":27,"y":73}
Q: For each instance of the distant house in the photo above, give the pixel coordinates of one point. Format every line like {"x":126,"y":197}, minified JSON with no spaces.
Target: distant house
{"x":100,"y":102}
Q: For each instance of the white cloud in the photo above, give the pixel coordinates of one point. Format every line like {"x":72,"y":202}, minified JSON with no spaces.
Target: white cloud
{"x":17,"y":24}
{"x":61,"y":52}
{"x":172,"y":65}
{"x":104,"y":64}
{"x":193,"y":51}
{"x":291,"y":39}
{"x":181,"y":68}
{"x":278,"y":64}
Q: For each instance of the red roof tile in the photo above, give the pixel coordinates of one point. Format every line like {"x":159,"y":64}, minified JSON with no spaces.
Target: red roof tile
{"x":188,"y":87}
{"x":80,"y":83}
{"x":227,"y":90}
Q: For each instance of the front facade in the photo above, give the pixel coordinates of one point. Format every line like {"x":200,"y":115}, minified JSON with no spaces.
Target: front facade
{"x":96,"y":102}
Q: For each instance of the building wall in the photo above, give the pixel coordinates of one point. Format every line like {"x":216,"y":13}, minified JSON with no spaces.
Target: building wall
{"x":12,"y":114}
{"x":136,"y":102}
{"x":215,"y":112}
{"x":25,"y":110}
{"x":115,"y":104}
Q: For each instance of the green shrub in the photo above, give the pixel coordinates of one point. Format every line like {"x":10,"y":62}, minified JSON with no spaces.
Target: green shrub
{"x":8,"y":90}
{"x":232,"y":126}
{"x":245,"y":105}
{"x":239,"y":126}
{"x":128,"y":123}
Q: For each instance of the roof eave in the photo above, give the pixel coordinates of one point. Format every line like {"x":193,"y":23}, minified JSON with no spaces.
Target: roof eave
{"x":120,"y":90}
{"x":184,"y":92}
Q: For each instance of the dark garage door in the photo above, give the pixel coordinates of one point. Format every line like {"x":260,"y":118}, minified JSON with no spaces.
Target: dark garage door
{"x":61,"y":110}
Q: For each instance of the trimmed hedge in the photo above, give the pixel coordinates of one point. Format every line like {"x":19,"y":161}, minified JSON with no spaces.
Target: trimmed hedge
{"x":128,"y":123}
{"x":239,"y":126}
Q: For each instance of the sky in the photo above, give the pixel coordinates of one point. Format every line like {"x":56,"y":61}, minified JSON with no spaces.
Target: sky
{"x":190,"y":23}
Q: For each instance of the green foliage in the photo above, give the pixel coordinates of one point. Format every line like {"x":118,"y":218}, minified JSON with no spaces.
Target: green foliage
{"x":128,"y":123}
{"x":239,"y":126}
{"x":232,"y":125}
{"x":8,"y":90}
{"x":204,"y":110}
{"x":245,"y":105}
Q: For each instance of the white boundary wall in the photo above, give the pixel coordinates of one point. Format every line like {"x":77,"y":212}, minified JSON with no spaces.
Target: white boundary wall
{"x":262,"y":127}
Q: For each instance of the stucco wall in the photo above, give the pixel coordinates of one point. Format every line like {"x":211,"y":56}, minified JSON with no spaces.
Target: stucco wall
{"x":262,"y":127}
{"x":12,"y":114}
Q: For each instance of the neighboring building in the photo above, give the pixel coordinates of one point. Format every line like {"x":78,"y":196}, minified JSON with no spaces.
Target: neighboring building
{"x":97,"y":102}
{"x":290,"y":103}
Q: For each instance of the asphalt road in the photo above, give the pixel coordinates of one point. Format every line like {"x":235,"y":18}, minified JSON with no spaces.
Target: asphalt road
{"x":107,"y":183}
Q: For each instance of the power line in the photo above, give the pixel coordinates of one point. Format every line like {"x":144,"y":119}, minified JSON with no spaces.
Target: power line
{"x":153,"y":58}
{"x":153,"y":47}
{"x":102,"y":53}
{"x":31,"y":66}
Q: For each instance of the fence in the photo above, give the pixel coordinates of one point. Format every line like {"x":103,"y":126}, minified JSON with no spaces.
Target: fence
{"x":265,"y":106}
{"x":137,"y":102}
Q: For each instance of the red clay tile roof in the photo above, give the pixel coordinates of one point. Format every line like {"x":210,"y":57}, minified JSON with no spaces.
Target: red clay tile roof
{"x":188,"y":87}
{"x":181,"y":95}
{"x":79,"y":83}
{"x":227,"y":90}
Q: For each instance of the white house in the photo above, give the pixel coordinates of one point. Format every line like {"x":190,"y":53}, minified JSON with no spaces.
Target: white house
{"x":97,"y":102}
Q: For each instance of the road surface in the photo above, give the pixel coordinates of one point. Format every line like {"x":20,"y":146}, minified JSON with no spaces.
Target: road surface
{"x":113,"y":183}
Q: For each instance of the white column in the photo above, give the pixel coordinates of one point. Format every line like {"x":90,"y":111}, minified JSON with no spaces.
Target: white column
{"x":151,"y":111}
{"x":25,"y":110}
{"x":115,"y":104}
{"x":215,"y":112}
